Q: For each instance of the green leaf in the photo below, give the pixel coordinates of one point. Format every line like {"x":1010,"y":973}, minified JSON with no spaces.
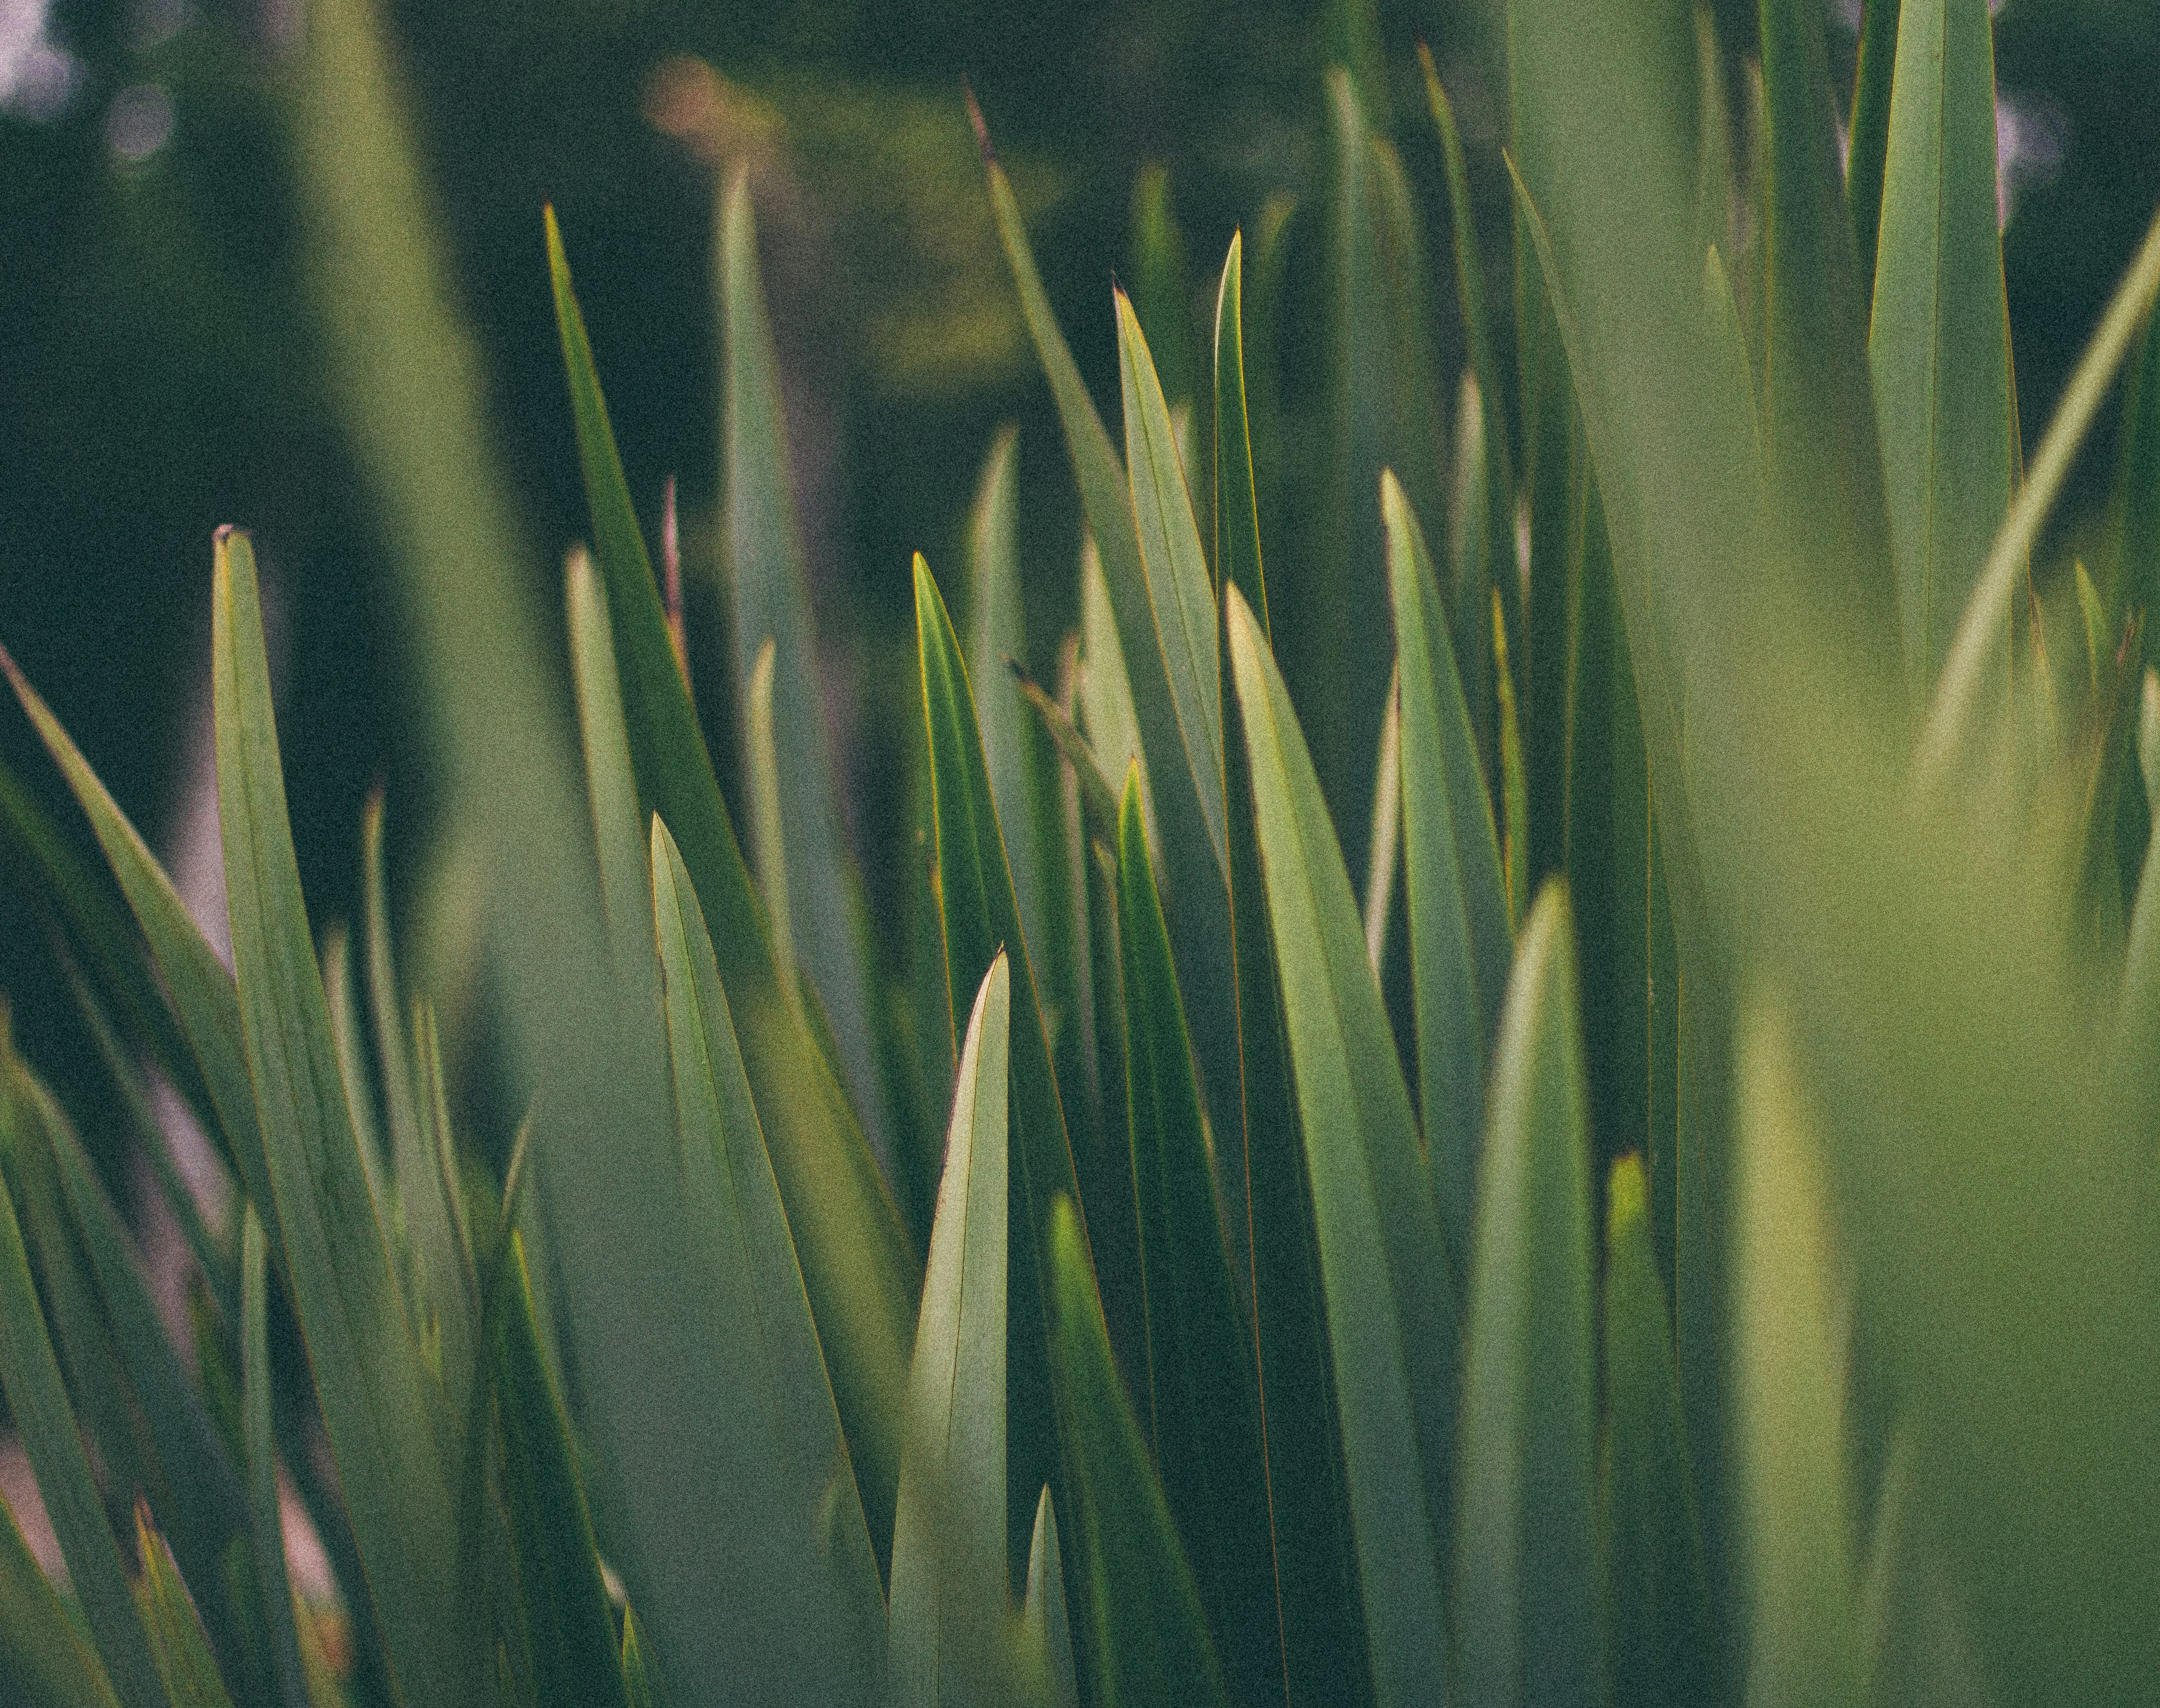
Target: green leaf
{"x":853,"y":1251}
{"x":641,"y":1684}
{"x":1663,"y":1644}
{"x":2134,"y":572}
{"x":981,"y":917}
{"x":1525,"y":1588}
{"x":1046,"y":1633}
{"x":1960,"y":701}
{"x":799,"y":1585}
{"x":1203,"y":1401}
{"x":1148,"y":1637}
{"x":197,"y":984}
{"x":339,"y":991}
{"x":770,"y":599}
{"x":44,"y":1661}
{"x":1819,"y":433}
{"x":1939,"y":340}
{"x":184,"y":1658}
{"x":1386,"y":1273}
{"x":768,"y":827}
{"x":569,"y":1629}
{"x":1167,"y":640}
{"x":1789,"y":1386}
{"x":1385,"y":846}
{"x":950,"y":1589}
{"x":38,"y":1401}
{"x":379,"y":1415}
{"x":1237,"y":507}
{"x":1869,"y":149}
{"x":266,"y":1524}
{"x":1461,"y":938}
{"x":1514,"y":789}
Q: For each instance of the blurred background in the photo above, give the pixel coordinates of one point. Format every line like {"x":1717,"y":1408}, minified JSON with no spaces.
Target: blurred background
{"x":163,"y":362}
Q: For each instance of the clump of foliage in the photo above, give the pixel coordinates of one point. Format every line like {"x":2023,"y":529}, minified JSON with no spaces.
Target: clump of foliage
{"x":1686,"y":1232}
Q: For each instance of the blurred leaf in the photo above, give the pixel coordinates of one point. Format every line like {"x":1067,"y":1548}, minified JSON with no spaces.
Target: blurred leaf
{"x":855,"y":1255}
{"x":184,"y":1658}
{"x":44,"y":1661}
{"x":265,"y":1519}
{"x":1939,"y":340}
{"x":1717,"y":191}
{"x":342,"y":994}
{"x":38,"y":1401}
{"x":1868,"y":150}
{"x":2134,"y":575}
{"x":641,"y":1685}
{"x":980,"y":918}
{"x":1237,"y":507}
{"x":770,"y":599}
{"x":1148,"y":1637}
{"x":1664,"y":1645}
{"x":1044,"y":1628}
{"x":389,"y":1452}
{"x":799,"y":1581}
{"x":1461,"y":938}
{"x":1824,"y":468}
{"x":768,"y":827}
{"x":1391,"y":1306}
{"x":392,"y":1049}
{"x":1203,"y":1404}
{"x":1526,"y":1595}
{"x":1790,"y":1389}
{"x":1515,"y":791}
{"x":569,"y":1630}
{"x":196,"y":982}
{"x":948,"y":1641}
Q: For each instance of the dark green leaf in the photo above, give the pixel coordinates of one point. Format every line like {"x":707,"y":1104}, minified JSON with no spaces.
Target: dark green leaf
{"x":1046,"y":1633}
{"x":44,"y":1661}
{"x":384,"y":1433}
{"x":1525,"y":1588}
{"x":1870,"y":134}
{"x":1664,"y":1646}
{"x":266,"y":1523}
{"x":1237,"y":507}
{"x":1202,"y":1403}
{"x":1148,"y":1637}
{"x":1391,"y":1306}
{"x":184,"y":1658}
{"x":1162,"y":283}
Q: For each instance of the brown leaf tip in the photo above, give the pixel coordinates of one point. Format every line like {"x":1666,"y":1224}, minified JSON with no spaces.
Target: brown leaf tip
{"x":975,"y":118}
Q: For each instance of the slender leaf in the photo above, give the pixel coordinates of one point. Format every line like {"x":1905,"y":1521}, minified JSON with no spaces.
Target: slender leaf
{"x":848,"y":1232}
{"x":569,"y":1629}
{"x":265,"y":1519}
{"x":184,"y":1656}
{"x":641,"y":1684}
{"x":797,"y":1595}
{"x":1664,"y":1645}
{"x":1514,"y":790}
{"x":771,"y":601}
{"x":1461,"y":938}
{"x":1939,"y":340}
{"x":1384,"y":847}
{"x":1869,"y":132}
{"x":1524,"y":1566}
{"x":1237,"y":507}
{"x":768,"y":823}
{"x":1203,"y":1401}
{"x":1045,"y":1630}
{"x":1818,"y":431}
{"x":948,"y":1641}
{"x":38,"y":1401}
{"x":980,"y":917}
{"x":1162,"y":282}
{"x":1148,"y":1637}
{"x":1391,"y":1306}
{"x":366,"y":1367}
{"x":1790,"y":1386}
{"x":44,"y":1661}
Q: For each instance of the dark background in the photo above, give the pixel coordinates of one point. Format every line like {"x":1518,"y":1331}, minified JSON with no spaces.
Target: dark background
{"x":160,"y":373}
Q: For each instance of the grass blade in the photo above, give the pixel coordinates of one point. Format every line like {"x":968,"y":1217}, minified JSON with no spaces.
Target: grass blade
{"x":1237,"y":508}
{"x":1939,"y":341}
{"x":1819,"y":433}
{"x":847,"y":1234}
{"x":980,"y":917}
{"x":1386,"y":1273}
{"x":1514,"y":787}
{"x":266,"y":1527}
{"x":1384,"y":847}
{"x":950,"y":1592}
{"x":44,"y":1661}
{"x":1525,"y":1553}
{"x":1869,"y":149}
{"x":38,"y":1401}
{"x":367,"y":1371}
{"x":570,"y":1628}
{"x":768,"y":827}
{"x":1204,"y":1405}
{"x":1791,"y":1390}
{"x":1663,"y":1644}
{"x":1162,"y":282}
{"x":1045,"y":1630}
{"x":770,"y":599}
{"x":1461,"y":938}
{"x":184,"y":1656}
{"x":1149,"y":1638}
{"x":797,"y":1602}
